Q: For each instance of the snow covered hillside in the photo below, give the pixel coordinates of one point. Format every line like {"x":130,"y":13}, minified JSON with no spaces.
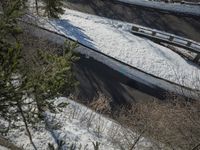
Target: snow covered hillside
{"x":78,"y":126}
{"x":113,"y":38}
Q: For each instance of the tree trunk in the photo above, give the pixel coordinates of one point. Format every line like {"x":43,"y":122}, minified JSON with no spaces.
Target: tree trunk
{"x":26,"y":126}
{"x":36,"y":5}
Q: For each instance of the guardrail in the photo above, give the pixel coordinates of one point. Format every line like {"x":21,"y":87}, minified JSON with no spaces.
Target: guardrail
{"x":168,"y":38}
{"x":190,"y":3}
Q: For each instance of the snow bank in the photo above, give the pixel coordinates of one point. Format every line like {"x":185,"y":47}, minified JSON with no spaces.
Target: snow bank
{"x":113,"y":38}
{"x":76,"y":124}
{"x":171,"y":7}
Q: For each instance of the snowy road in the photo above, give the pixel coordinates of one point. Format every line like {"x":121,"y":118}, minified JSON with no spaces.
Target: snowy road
{"x":170,"y":7}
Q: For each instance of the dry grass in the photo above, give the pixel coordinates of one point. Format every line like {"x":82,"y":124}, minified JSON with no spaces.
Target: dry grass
{"x":169,"y":124}
{"x":101,"y":104}
{"x":174,"y":123}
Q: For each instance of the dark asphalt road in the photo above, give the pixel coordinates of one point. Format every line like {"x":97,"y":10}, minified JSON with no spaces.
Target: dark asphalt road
{"x":96,"y":77}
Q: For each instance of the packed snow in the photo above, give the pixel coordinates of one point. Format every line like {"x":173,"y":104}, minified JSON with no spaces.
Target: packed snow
{"x":173,"y":7}
{"x":76,"y":125}
{"x":114,"y":39}
{"x":3,"y":148}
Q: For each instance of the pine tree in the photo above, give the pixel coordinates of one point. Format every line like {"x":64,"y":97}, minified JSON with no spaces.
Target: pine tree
{"x":25,"y":90}
{"x":53,"y":8}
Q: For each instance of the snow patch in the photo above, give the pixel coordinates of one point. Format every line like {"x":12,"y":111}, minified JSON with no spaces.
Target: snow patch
{"x":80,"y":126}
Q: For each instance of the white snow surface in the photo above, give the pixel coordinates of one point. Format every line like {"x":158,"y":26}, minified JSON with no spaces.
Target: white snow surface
{"x":113,"y":38}
{"x":3,"y":148}
{"x":76,"y":124}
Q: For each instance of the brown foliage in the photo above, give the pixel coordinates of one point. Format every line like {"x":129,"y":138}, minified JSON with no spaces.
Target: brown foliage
{"x":175,"y":123}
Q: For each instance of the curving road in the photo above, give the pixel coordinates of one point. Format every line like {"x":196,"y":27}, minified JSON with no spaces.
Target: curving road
{"x":95,"y":77}
{"x":180,"y":25}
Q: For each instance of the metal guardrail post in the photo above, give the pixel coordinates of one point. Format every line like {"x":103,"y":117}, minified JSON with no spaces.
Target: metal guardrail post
{"x":189,"y":43}
{"x":153,"y":33}
{"x":171,"y":38}
{"x":134,"y":28}
{"x":196,"y":59}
